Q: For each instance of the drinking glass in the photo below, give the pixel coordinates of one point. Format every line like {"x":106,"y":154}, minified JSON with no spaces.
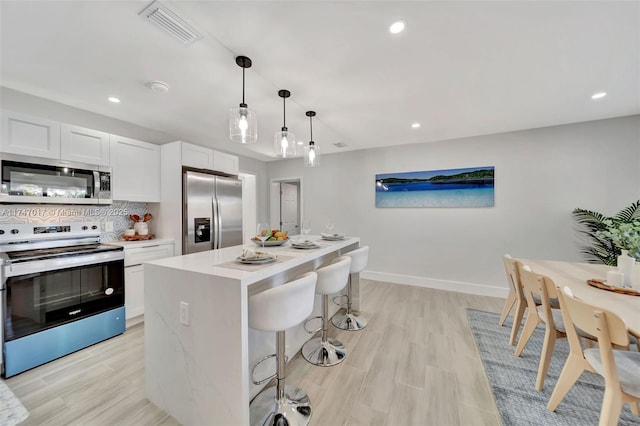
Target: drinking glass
{"x":329,"y":225}
{"x":263,"y":232}
{"x":306,"y":228}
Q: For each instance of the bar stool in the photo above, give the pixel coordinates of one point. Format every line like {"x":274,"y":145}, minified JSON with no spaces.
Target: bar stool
{"x":348,"y":320}
{"x":278,"y":309}
{"x":324,"y":351}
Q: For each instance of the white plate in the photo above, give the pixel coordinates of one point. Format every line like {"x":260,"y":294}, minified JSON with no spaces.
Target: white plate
{"x":305,"y":246}
{"x":255,"y":260}
{"x":334,"y":237}
{"x":270,"y":243}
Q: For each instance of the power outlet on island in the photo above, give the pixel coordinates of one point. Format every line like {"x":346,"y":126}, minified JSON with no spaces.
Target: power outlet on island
{"x":184,"y":313}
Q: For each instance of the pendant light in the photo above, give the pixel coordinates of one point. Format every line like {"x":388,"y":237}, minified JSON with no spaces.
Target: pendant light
{"x":311,"y":151}
{"x":284,"y":141}
{"x":243,"y":123}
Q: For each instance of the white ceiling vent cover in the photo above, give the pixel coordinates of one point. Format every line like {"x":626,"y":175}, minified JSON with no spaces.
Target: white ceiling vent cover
{"x":163,"y":17}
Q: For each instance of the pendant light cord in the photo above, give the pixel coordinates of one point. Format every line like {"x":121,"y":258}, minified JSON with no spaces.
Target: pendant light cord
{"x":243,"y":85}
{"x":311,"y":126}
{"x":284,"y":112}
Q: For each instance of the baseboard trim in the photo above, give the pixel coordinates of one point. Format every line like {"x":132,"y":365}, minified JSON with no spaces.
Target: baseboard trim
{"x":457,"y":286}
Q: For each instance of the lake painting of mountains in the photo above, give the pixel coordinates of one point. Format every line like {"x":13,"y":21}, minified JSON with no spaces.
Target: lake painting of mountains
{"x":470,"y":187}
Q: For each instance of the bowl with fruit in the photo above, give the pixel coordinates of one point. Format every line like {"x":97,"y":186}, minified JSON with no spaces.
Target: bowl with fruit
{"x":277,"y":238}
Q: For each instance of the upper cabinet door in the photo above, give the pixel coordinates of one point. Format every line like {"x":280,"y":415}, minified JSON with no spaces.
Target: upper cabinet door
{"x":225,"y":163}
{"x":84,"y":145}
{"x":197,"y":156}
{"x":27,"y":135}
{"x":135,"y":167}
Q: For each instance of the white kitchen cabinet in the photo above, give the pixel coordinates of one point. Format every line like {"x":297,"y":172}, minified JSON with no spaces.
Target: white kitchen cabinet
{"x":84,"y":145}
{"x":27,"y":135}
{"x":197,"y":156}
{"x":208,"y":159}
{"x":226,"y":163}
{"x":134,"y":291}
{"x":135,"y":254}
{"x":135,"y":170}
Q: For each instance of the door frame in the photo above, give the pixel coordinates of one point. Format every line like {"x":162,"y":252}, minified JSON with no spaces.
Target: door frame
{"x":249,"y":205}
{"x":274,"y":199}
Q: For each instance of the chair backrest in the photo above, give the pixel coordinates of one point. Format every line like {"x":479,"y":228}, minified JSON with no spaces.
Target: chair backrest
{"x":601,"y":323}
{"x":359,"y":258}
{"x":540,"y":285}
{"x":513,"y":275}
{"x":283,"y":306}
{"x":334,"y":276}
{"x":606,"y":326}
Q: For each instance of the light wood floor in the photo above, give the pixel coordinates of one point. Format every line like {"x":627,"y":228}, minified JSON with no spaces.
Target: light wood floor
{"x":415,"y":364}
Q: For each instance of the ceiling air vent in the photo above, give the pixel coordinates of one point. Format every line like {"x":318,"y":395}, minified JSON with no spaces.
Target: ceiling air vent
{"x":340,"y":145}
{"x":163,"y":17}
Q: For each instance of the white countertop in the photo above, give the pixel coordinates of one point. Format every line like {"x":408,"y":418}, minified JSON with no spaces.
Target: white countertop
{"x":207,"y":262}
{"x":143,"y":243}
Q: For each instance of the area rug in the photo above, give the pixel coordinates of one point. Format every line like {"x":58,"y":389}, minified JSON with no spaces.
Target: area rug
{"x":12,"y":412}
{"x":512,"y":379}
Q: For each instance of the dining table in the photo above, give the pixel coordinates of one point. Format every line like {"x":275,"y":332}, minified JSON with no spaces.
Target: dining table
{"x":575,"y":275}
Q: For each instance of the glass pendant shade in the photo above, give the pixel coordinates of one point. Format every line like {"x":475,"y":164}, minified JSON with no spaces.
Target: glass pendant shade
{"x":284,"y":143}
{"x":311,"y":151}
{"x":243,"y":125}
{"x":312,"y":155}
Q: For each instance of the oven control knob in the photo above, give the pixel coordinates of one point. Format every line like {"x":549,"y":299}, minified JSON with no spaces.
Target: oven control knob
{"x":14,"y":231}
{"x":1,"y":231}
{"x":94,"y":227}
{"x":85,"y":227}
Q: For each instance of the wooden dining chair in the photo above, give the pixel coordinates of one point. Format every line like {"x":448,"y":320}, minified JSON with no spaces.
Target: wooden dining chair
{"x":534,"y":284}
{"x":620,"y":368}
{"x":515,"y":298}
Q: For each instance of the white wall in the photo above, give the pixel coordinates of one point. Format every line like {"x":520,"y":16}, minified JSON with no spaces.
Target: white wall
{"x":541,"y":176}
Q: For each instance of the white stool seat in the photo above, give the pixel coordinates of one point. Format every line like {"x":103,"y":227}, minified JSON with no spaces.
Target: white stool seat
{"x":324,"y":351}
{"x":278,"y":309}
{"x":348,"y":320}
{"x":334,"y":276}
{"x":284,"y":306}
{"x":359,"y":258}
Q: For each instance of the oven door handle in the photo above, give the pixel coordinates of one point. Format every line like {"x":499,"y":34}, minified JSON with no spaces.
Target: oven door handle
{"x":64,"y":262}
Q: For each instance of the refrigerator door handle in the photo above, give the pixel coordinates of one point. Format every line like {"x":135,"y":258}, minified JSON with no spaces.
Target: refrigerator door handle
{"x":216,"y":228}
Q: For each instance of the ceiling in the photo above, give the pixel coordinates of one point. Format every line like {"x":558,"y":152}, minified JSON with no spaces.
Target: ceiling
{"x":460,"y":68}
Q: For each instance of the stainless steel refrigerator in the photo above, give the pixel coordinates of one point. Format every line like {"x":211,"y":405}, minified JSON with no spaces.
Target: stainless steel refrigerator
{"x":212,"y":212}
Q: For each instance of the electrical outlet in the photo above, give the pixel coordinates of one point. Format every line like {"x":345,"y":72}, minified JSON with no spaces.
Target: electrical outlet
{"x":184,"y":313}
{"x":108,"y":227}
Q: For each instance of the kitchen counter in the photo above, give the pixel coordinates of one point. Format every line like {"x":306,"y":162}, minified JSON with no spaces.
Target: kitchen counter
{"x":143,"y":243}
{"x":199,"y":349}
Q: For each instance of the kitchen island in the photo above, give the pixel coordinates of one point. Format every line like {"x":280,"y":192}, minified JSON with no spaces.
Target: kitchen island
{"x":199,"y":349}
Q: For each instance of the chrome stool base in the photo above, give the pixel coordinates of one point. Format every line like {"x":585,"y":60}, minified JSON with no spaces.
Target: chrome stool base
{"x":293,"y":410}
{"x":324,"y":354}
{"x":349,"y":322}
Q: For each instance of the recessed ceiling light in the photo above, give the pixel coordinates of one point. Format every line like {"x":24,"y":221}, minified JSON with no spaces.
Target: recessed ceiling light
{"x":398,"y":26}
{"x":113,"y":99}
{"x":599,"y":95}
{"x":300,"y":142}
{"x":415,"y":125}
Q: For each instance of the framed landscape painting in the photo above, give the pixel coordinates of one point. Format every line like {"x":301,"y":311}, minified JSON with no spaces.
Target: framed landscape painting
{"x":470,"y":187}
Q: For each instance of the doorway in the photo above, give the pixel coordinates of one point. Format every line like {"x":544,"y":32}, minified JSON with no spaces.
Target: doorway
{"x":286,"y":204}
{"x":289,"y":208}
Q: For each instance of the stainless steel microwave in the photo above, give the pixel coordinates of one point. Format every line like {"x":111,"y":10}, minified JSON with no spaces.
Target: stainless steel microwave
{"x":48,"y":181}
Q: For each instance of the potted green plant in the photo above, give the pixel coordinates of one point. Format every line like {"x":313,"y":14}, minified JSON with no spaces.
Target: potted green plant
{"x":601,"y":248}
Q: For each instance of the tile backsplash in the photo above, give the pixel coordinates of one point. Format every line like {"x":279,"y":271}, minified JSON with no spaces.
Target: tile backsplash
{"x":116,"y":213}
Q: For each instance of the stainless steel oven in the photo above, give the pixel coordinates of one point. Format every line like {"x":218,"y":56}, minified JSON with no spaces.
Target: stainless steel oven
{"x":62,"y":291}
